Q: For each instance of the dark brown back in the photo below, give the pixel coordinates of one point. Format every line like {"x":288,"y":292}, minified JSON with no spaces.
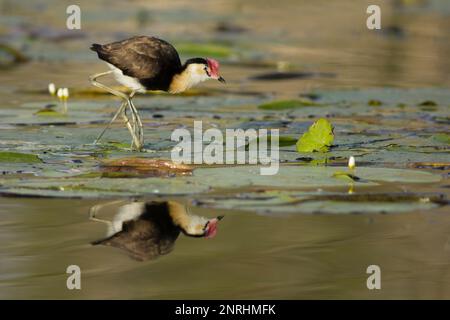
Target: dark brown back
{"x":151,"y":60}
{"x":152,"y":234}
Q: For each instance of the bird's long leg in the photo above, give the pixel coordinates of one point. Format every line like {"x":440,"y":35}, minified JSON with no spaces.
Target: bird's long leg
{"x":93,"y":80}
{"x":95,"y":209}
{"x":136,"y":119}
{"x":140,"y":129}
{"x":134,"y":116}
{"x":119,"y":111}
{"x":134,"y":126}
{"x":135,"y":142}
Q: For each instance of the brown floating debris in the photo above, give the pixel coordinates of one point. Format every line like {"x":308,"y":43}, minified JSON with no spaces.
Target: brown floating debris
{"x":147,"y":167}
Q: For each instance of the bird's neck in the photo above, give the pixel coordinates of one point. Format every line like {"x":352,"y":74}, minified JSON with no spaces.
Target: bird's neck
{"x":188,"y":223}
{"x":189,"y":76}
{"x":179,"y":215}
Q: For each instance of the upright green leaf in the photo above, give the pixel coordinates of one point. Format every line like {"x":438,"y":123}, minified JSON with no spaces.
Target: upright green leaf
{"x":318,"y":138}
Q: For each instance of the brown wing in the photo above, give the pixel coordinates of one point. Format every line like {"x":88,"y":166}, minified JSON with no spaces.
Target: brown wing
{"x":141,"y":240}
{"x":151,"y":235}
{"x":141,"y":57}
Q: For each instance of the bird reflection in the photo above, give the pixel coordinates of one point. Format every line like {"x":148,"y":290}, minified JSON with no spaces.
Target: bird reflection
{"x":147,"y":230}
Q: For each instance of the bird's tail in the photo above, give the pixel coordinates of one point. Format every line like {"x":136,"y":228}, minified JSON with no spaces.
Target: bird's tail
{"x":97,"y":242}
{"x":104,"y":241}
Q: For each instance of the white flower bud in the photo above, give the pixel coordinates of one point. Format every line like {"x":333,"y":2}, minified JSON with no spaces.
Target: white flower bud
{"x":60,"y":93}
{"x":65,"y":93}
{"x":351,"y":163}
{"x":51,"y":89}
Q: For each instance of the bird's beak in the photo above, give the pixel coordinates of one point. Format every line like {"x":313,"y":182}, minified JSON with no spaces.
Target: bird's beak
{"x":211,"y":231}
{"x":221,"y":79}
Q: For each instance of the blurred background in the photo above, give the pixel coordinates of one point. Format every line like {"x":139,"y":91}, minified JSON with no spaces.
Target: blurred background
{"x":323,"y":43}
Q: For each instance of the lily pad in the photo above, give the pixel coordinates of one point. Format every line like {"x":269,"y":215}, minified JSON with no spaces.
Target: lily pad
{"x":305,"y":177}
{"x":291,"y":202}
{"x":205,"y":50}
{"x":287,"y":104}
{"x":442,"y":138}
{"x":346,"y":175}
{"x":375,"y":103}
{"x":16,"y":157}
{"x":99,"y":187}
{"x":319,"y":137}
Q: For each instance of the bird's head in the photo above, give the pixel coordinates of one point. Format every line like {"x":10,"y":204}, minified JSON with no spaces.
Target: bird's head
{"x":201,"y":69}
{"x":202,"y":227}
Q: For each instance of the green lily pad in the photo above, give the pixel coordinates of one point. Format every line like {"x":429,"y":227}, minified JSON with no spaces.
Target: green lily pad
{"x":99,"y":187}
{"x":204,"y":50}
{"x":375,"y":103}
{"x":287,"y":104}
{"x":346,"y":175}
{"x":319,"y":137}
{"x":294,"y":202}
{"x":442,"y":138}
{"x":206,"y":179}
{"x":338,"y":207}
{"x":428,"y":103}
{"x":283,"y":141}
{"x":305,"y":177}
{"x":16,"y":157}
{"x":49,"y":112}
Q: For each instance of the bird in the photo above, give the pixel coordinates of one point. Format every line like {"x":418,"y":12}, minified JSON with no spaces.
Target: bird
{"x":143,"y":63}
{"x":146,"y":230}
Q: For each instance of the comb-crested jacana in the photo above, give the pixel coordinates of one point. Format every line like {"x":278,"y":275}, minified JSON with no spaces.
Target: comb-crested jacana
{"x":148,"y":63}
{"x":147,"y":230}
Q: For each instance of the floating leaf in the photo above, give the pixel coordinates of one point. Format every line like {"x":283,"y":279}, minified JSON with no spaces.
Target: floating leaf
{"x":49,"y":112}
{"x":16,"y":157}
{"x":428,"y":103}
{"x":287,"y":104}
{"x":100,"y":187}
{"x":294,"y":202}
{"x":206,"y":50}
{"x":442,"y":138}
{"x":319,"y":137}
{"x":346,"y":175}
{"x":338,"y":207}
{"x":305,"y":177}
{"x":283,"y":141}
{"x":375,"y":103}
{"x":280,"y":75}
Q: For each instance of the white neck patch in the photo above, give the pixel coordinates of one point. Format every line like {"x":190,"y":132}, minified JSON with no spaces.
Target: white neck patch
{"x":191,"y":76}
{"x":196,"y":225}
{"x":196,"y":74}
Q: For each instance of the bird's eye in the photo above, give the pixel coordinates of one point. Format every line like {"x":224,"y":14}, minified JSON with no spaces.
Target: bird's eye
{"x":207,"y":72}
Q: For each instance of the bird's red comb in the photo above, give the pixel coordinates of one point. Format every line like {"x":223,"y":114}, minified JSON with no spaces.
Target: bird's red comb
{"x":213,"y":66}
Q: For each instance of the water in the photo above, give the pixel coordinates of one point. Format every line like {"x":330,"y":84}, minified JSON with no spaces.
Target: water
{"x":253,"y":256}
